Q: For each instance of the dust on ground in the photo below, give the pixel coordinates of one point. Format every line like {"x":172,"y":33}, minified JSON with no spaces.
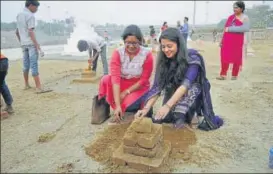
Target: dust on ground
{"x":241,"y":145}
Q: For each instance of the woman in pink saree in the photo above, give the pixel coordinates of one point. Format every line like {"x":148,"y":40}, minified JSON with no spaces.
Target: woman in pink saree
{"x":232,"y":45}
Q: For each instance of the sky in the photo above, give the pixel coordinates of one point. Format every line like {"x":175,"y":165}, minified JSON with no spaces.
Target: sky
{"x":127,"y":12}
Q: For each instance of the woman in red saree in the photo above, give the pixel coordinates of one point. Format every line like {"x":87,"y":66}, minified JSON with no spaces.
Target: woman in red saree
{"x":164,"y":26}
{"x":130,"y":70}
{"x":232,"y":45}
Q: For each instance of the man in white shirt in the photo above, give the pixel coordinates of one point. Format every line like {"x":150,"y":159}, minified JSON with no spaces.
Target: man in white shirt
{"x":95,"y":46}
{"x":25,"y":33}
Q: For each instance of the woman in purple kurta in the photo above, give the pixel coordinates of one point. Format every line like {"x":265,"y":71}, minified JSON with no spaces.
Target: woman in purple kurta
{"x":181,"y":74}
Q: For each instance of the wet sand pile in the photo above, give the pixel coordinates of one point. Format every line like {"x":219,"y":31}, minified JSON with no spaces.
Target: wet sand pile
{"x":143,"y":147}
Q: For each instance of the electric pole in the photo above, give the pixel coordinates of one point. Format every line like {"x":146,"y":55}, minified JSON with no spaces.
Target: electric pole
{"x":194,"y":13}
{"x":207,"y":11}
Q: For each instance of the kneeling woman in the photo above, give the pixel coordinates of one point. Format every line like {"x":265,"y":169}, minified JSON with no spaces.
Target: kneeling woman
{"x":130,"y":70}
{"x":181,"y":74}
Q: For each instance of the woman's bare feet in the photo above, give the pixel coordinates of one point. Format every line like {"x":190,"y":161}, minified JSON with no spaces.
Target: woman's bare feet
{"x":40,"y":91}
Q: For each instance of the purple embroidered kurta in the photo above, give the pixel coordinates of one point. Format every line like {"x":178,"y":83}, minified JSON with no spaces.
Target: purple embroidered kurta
{"x":198,"y":93}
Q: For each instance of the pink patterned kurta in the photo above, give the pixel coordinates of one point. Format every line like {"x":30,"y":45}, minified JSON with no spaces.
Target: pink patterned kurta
{"x":126,"y":73}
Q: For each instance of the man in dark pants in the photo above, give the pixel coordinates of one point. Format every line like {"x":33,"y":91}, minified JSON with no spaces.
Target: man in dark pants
{"x":96,"y":47}
{"x":4,"y":90}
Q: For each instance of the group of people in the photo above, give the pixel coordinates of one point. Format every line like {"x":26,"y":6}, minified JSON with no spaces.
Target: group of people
{"x":180,"y":76}
{"x":180,"y":73}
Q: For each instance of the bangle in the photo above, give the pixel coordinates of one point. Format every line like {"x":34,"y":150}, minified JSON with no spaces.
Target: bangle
{"x":145,"y":107}
{"x":168,"y":106}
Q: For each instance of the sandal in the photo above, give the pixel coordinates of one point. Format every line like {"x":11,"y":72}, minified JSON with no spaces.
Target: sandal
{"x":40,"y":91}
{"x":27,"y":87}
{"x":221,"y":78}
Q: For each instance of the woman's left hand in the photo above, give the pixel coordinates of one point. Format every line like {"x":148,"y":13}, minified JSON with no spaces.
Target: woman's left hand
{"x":162,"y":112}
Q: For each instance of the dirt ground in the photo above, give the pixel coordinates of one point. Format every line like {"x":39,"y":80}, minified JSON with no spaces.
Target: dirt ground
{"x":241,"y":145}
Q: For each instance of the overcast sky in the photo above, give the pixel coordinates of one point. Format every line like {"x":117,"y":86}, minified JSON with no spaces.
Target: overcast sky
{"x":126,"y":12}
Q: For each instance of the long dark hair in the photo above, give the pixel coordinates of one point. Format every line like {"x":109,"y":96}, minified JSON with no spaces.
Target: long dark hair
{"x":171,"y":72}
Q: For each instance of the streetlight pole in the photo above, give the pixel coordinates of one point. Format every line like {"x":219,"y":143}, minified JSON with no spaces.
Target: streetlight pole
{"x":207,"y":11}
{"x":194,"y":13}
{"x":50,"y":30}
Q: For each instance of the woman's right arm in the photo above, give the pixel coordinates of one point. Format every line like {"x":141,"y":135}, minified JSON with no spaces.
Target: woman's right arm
{"x":115,"y":71}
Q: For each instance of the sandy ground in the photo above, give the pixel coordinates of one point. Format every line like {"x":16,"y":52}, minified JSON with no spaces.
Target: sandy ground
{"x":241,"y":145}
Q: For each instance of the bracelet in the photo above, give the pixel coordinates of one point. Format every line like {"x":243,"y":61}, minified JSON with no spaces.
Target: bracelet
{"x":168,"y":106}
{"x":145,"y":107}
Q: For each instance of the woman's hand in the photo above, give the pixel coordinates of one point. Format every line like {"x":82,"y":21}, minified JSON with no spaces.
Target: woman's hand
{"x":162,"y":112}
{"x":142,"y":113}
{"x":118,"y":114}
{"x":123,"y":95}
{"x":226,"y":29}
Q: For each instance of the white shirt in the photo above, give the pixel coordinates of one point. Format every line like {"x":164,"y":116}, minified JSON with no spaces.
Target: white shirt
{"x":25,"y":21}
{"x":96,"y":43}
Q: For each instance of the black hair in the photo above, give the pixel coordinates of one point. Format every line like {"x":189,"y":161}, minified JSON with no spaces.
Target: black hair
{"x":82,"y":45}
{"x":164,"y":23}
{"x":32,"y":2}
{"x":171,"y":72}
{"x":186,"y":18}
{"x":241,"y":5}
{"x":132,"y":30}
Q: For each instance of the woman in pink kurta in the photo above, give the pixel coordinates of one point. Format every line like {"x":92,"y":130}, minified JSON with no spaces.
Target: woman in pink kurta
{"x":232,"y":45}
{"x":130,"y":70}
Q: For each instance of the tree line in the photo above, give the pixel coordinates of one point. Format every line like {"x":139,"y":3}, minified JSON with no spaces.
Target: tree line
{"x":261,"y":16}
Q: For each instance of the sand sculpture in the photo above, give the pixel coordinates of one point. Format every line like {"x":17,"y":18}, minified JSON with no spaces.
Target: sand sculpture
{"x":143,"y":147}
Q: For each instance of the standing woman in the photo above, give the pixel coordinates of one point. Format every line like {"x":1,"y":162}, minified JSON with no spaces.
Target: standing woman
{"x":232,"y":45}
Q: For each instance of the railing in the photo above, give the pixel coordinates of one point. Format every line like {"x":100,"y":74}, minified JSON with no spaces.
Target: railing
{"x":261,"y":35}
{"x":257,"y":35}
